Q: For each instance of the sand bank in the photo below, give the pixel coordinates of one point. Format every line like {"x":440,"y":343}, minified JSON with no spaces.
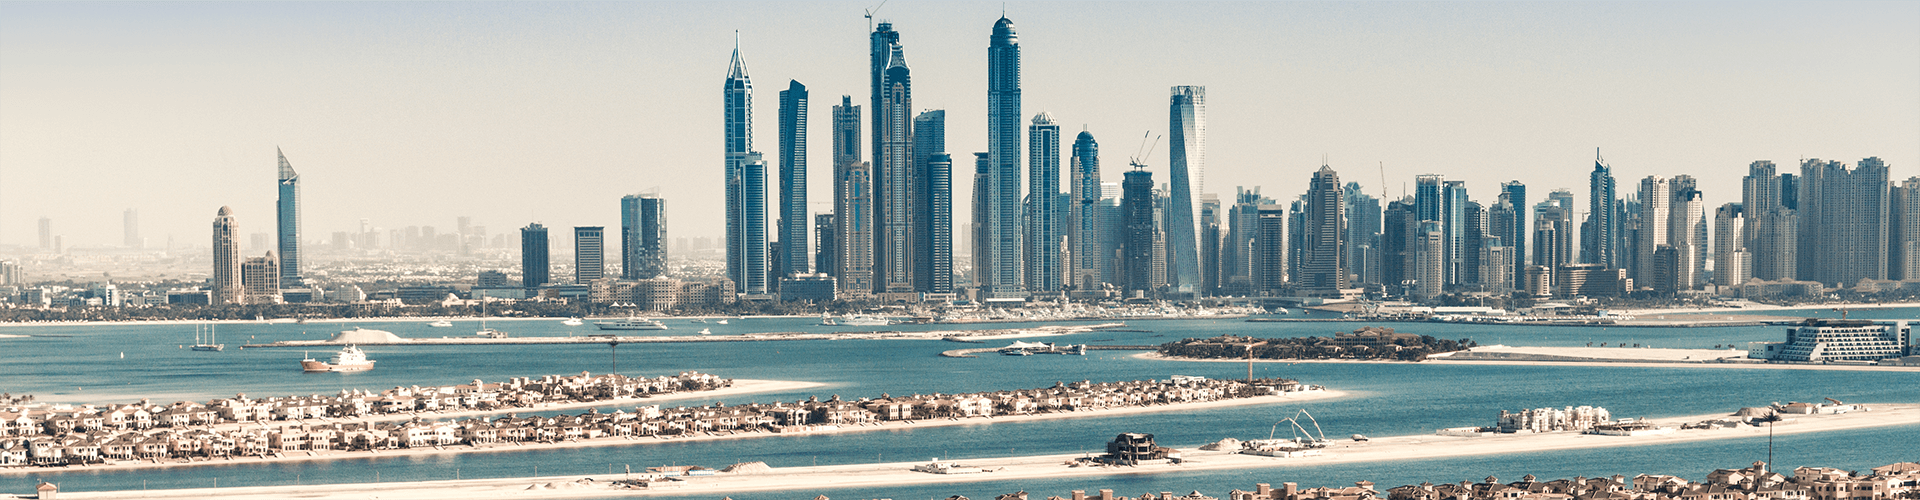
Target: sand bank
{"x":1649,"y":361}
{"x":1033,"y":467}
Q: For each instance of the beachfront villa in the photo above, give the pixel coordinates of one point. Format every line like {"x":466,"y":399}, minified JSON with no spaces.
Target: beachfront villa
{"x":1841,"y":340}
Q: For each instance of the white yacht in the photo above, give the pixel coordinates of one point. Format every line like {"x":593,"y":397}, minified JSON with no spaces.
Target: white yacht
{"x":573,"y":322}
{"x":630,"y":324}
{"x":440,"y":324}
{"x":350,"y":359}
{"x":856,"y":320}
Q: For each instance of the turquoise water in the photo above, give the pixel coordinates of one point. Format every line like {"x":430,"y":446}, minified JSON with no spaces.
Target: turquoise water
{"x":82,"y":364}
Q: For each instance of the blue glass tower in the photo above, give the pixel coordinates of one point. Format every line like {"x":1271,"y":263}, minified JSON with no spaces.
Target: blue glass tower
{"x":1187,"y":125}
{"x":289,"y":219}
{"x":1043,"y":206}
{"x":746,"y":183}
{"x":1003,"y":232}
{"x":794,"y":223}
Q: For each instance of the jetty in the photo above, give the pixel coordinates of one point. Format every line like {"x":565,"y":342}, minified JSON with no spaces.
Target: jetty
{"x":377,"y":337}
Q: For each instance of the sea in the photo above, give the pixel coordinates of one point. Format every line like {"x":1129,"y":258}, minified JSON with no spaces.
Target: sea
{"x":102,"y":364}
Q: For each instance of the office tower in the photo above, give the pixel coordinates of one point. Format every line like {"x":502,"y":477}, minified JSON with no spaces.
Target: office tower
{"x":1430,"y":266}
{"x":1772,"y":234}
{"x":130,"y":227}
{"x":1453,"y":222}
{"x":1158,"y":273}
{"x":1237,"y":255}
{"x":590,"y":254}
{"x":463,"y":233}
{"x":852,"y":203}
{"x":1601,"y":242}
{"x":289,"y":217}
{"x":534,"y":266}
{"x":1363,"y":235}
{"x":1112,"y":234}
{"x":1323,"y":262}
{"x":1552,"y":235}
{"x":1210,"y":215}
{"x":795,"y":253}
{"x":1428,"y":201}
{"x":1136,"y":207}
{"x":1501,"y":218}
{"x":1474,"y":221}
{"x":1515,"y":236}
{"x":1084,"y":224}
{"x":1496,"y":265}
{"x":1665,"y":274}
{"x":1296,"y":238}
{"x":879,"y":52}
{"x":226,"y":257}
{"x":1903,"y":230}
{"x":643,"y":237}
{"x":826,"y":235}
{"x":1269,"y":259}
{"x":1043,"y":211}
{"x":1398,"y":231}
{"x":746,"y":181}
{"x":933,"y":204}
{"x":1003,"y":232}
{"x":1687,"y":234}
{"x":1654,"y":207}
{"x":893,"y":177}
{"x":46,"y":234}
{"x":1187,"y":127}
{"x":260,"y":279}
{"x":1843,"y":221}
{"x":1732,"y":263}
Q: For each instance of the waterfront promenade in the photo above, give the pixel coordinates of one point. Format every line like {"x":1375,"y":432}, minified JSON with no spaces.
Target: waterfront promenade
{"x":1385,"y":449}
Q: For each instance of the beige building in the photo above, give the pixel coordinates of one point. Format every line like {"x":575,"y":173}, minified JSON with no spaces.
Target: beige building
{"x":226,"y":258}
{"x":260,"y":279}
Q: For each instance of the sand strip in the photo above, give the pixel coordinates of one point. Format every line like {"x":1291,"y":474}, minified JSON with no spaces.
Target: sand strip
{"x":1602,"y":363}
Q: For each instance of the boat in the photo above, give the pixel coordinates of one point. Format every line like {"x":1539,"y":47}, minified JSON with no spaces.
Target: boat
{"x":723,"y":322}
{"x":706,"y":331}
{"x":208,"y":344}
{"x":630,"y":324}
{"x":856,"y":320}
{"x":440,"y":324}
{"x":1016,"y":352}
{"x":573,"y":322}
{"x":487,"y":333}
{"x":350,"y":359}
{"x":699,"y":320}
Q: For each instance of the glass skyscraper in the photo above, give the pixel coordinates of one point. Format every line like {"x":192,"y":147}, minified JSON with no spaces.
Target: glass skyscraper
{"x":852,"y":203}
{"x":746,"y":180}
{"x":289,"y":219}
{"x":893,"y":181}
{"x":1601,"y":241}
{"x":1003,"y":234}
{"x":1084,"y":226}
{"x":1043,"y":206}
{"x":534,"y":266}
{"x":1187,"y":167}
{"x":795,"y":253}
{"x":589,"y":254}
{"x":643,"y":236}
{"x":933,"y":204}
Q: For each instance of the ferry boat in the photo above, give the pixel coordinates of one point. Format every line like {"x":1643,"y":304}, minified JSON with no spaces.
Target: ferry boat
{"x":631,"y":324}
{"x":573,"y":322}
{"x":856,"y":320}
{"x":350,"y":359}
{"x":441,"y":324}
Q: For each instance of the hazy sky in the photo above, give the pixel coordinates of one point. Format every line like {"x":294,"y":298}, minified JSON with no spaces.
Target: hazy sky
{"x":415,"y":113}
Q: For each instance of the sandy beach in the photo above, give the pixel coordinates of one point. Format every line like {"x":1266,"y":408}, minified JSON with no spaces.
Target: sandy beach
{"x":1651,"y":360}
{"x":1032,"y":467}
{"x":1321,"y":394}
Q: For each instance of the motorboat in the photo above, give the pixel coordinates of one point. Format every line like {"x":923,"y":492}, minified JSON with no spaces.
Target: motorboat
{"x":699,"y":320}
{"x":573,"y":322}
{"x":723,"y":322}
{"x":441,"y":324}
{"x":856,"y":320}
{"x":630,"y":324}
{"x":706,"y":331}
{"x":350,"y":359}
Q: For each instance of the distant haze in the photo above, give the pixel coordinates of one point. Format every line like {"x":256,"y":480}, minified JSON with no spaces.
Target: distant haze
{"x":415,"y":113}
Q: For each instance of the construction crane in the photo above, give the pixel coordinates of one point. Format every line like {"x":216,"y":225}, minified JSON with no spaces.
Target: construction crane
{"x":872,"y":11}
{"x":1144,"y":151}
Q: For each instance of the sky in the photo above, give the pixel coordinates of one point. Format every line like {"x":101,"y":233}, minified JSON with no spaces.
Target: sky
{"x":410,"y":114}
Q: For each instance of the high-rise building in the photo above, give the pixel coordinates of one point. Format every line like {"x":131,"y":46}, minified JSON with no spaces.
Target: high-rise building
{"x":746,"y":182}
{"x":1903,"y":230}
{"x":1112,"y":233}
{"x":894,"y":180}
{"x":1496,"y":265}
{"x":1474,"y":223}
{"x":933,"y":204}
{"x":1187,"y":155}
{"x":590,"y":253}
{"x":1843,"y":221}
{"x":289,"y":218}
{"x":1236,"y":254}
{"x":1363,"y":235}
{"x":852,"y":204}
{"x":826,"y":234}
{"x":1083,"y":214}
{"x":1732,"y":263}
{"x":1323,"y":262}
{"x":1515,"y":236}
{"x":1210,"y":215}
{"x":1453,"y":222}
{"x":982,"y":242}
{"x":1398,"y":232}
{"x":1654,"y":224}
{"x":260,"y":279}
{"x":1136,"y":207}
{"x":1430,"y":266}
{"x":46,"y":234}
{"x":226,"y":258}
{"x":535,"y":268}
{"x":1601,"y":241}
{"x":795,"y":254}
{"x":130,"y":227}
{"x":1269,"y":260}
{"x":1043,"y":210}
{"x":1003,"y":234}
{"x":1771,"y":236}
{"x":1687,"y":234}
{"x":643,"y":237}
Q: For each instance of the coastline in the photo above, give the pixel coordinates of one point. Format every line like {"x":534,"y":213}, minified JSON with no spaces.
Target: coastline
{"x":1385,"y":449}
{"x":616,"y":441}
{"x":1599,"y":363}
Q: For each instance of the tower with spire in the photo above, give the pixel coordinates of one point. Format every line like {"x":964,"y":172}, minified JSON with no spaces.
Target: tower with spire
{"x":1003,"y":232}
{"x":289,"y":223}
{"x":746,"y":182}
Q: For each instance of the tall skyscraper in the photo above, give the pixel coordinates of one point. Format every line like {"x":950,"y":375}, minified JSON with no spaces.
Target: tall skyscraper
{"x":1236,"y":255}
{"x":1430,"y":266}
{"x":1453,"y":222}
{"x":894,"y":182}
{"x":1515,"y":238}
{"x":1903,"y":231}
{"x":1843,"y":221}
{"x":1771,"y":236}
{"x":1398,"y":227}
{"x":933,"y":204}
{"x":1083,"y":214}
{"x":1210,"y":233}
{"x":1043,"y":212}
{"x":1687,"y":234}
{"x":130,"y":229}
{"x":852,"y":203}
{"x":534,"y":266}
{"x":1732,"y":263}
{"x":1323,"y":262}
{"x":643,"y":237}
{"x":1269,"y":260}
{"x":1136,"y":207}
{"x":795,"y":254}
{"x":590,"y":253}
{"x":260,"y":279}
{"x":982,"y":243}
{"x":1003,"y":234}
{"x":1654,"y":223}
{"x":226,"y":258}
{"x":289,"y":217}
{"x":1601,"y":243}
{"x":826,"y":254}
{"x":1187,"y":155}
{"x":1363,"y":235}
{"x":46,"y":234}
{"x":746,"y":182}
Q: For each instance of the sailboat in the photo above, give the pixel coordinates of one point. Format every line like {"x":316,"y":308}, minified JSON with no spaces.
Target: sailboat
{"x":209,"y":344}
{"x":485,"y":332}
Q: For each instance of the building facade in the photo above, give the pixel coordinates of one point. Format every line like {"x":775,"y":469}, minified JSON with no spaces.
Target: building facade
{"x":1003,"y":235}
{"x":1187,"y":155}
{"x":796,"y":256}
{"x":535,"y":268}
{"x":226,"y":259}
{"x":288,"y":215}
{"x":1084,"y":224}
{"x":1043,"y":211}
{"x":643,"y":236}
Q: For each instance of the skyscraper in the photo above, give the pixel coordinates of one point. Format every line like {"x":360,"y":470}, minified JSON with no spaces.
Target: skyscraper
{"x":1903,"y":231}
{"x":1687,"y":234}
{"x":1003,"y":234}
{"x":1323,"y":262}
{"x":826,"y":234}
{"x":1430,"y":266}
{"x":130,"y":228}
{"x":1843,"y":221}
{"x":982,"y":244}
{"x":590,"y":253}
{"x":1515,"y":238}
{"x":1771,"y":236}
{"x":1236,"y":254}
{"x":1270,"y":249}
{"x":1398,"y":227}
{"x":893,"y":181}
{"x":226,"y":258}
{"x":643,"y":237}
{"x":1187,"y":154}
{"x":1136,"y":207}
{"x":1210,"y":215}
{"x":746,"y":182}
{"x":852,"y":203}
{"x":289,"y":217}
{"x":534,"y":266}
{"x":795,"y":254}
{"x":933,"y":204}
{"x":1043,"y":214}
{"x":1654,"y":223}
{"x":1732,"y":263}
{"x":260,"y":279}
{"x":1083,"y":214}
{"x":1601,"y":242}
{"x":1453,"y":222}
{"x":1363,"y":235}
{"x":46,"y":234}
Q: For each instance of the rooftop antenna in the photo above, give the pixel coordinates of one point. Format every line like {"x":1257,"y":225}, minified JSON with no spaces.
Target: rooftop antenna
{"x":872,"y":11}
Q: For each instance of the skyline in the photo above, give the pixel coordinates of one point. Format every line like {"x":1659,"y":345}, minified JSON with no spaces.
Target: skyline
{"x":215,"y":146}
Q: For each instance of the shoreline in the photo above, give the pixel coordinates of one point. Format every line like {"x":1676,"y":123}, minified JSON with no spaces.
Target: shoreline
{"x":810,"y":478}
{"x":1443,"y":360}
{"x":616,"y":441}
